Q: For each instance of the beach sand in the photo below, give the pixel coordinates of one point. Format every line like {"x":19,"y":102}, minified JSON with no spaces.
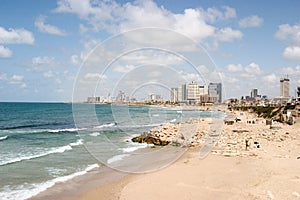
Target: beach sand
{"x":268,"y":169}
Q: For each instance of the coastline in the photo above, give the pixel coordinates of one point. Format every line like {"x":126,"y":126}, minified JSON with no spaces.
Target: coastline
{"x":229,"y":172}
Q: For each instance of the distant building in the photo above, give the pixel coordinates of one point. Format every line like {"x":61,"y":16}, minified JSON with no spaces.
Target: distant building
{"x":298,"y":92}
{"x":285,"y":87}
{"x":215,"y":91}
{"x":193,"y":93}
{"x":183,"y":93}
{"x":174,"y":95}
{"x":121,"y":97}
{"x":254,"y":93}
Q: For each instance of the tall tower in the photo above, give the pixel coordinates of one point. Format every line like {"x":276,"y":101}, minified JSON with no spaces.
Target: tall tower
{"x":285,"y":87}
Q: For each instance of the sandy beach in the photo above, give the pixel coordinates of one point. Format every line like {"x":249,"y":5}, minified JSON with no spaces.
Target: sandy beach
{"x":249,"y":161}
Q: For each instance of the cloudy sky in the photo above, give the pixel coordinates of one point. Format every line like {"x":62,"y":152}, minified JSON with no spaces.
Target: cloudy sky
{"x":46,"y":47}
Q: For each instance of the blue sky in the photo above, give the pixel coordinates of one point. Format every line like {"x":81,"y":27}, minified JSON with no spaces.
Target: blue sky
{"x":43,"y":44}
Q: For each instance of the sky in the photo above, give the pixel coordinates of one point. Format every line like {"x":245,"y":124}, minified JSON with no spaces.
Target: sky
{"x":57,"y":50}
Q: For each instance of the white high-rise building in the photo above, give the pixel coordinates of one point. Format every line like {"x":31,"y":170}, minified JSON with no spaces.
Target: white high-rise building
{"x":174,"y":95}
{"x":193,"y":93}
{"x":285,"y":87}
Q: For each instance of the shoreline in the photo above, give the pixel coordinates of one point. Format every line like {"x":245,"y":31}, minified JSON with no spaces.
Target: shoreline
{"x":252,"y":165}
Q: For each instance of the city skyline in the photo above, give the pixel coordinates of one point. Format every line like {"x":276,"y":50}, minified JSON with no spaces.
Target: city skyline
{"x":251,"y":44}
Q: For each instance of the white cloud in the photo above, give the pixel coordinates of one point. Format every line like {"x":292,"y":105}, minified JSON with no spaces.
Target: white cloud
{"x":48,"y":74}
{"x":47,"y":28}
{"x":292,"y":53}
{"x":15,"y":36}
{"x":234,"y":68}
{"x":5,"y":52}
{"x":82,"y":8}
{"x":124,"y":69}
{"x":252,"y":21}
{"x":116,"y":17}
{"x":23,"y":85}
{"x":271,"y":78}
{"x":40,"y":63}
{"x":289,"y":33}
{"x":213,"y":14}
{"x":16,"y":79}
{"x":75,"y":59}
{"x":228,"y":35}
{"x":253,"y":69}
{"x":94,"y":76}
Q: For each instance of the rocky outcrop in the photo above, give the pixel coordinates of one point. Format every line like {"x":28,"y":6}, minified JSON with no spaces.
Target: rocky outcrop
{"x":187,"y":134}
{"x":149,"y":140}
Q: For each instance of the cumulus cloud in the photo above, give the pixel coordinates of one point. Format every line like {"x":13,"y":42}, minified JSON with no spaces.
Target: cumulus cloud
{"x":292,"y":53}
{"x":75,"y":59}
{"x":252,"y":21}
{"x":234,"y":68}
{"x":249,"y":71}
{"x":115,"y":17}
{"x":124,"y":69}
{"x":213,"y":14}
{"x":253,"y":68}
{"x":17,"y":80}
{"x":48,"y":74}
{"x":228,"y":34}
{"x":94,"y":76}
{"x":271,"y":78}
{"x":289,"y":33}
{"x":47,"y":28}
{"x":5,"y":52}
{"x":42,"y":63}
{"x":15,"y":36}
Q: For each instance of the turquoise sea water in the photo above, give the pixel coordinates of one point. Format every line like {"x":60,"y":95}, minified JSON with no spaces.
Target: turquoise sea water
{"x":41,"y":145}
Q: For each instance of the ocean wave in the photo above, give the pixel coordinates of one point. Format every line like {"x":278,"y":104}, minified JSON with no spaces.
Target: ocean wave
{"x":29,"y":157}
{"x":25,"y":192}
{"x":77,"y":143}
{"x":30,"y":126}
{"x":117,"y":158}
{"x":140,"y":125}
{"x":173,"y":120}
{"x":94,"y":134}
{"x":3,"y":138}
{"x":105,"y":126}
{"x":134,"y":147}
{"x":65,"y":130}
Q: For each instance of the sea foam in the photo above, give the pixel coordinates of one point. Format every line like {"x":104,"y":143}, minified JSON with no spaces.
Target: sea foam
{"x":29,"y":157}
{"x":25,"y":192}
{"x":3,"y":138}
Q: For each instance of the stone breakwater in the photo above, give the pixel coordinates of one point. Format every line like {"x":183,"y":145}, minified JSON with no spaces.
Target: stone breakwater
{"x":188,"y":134}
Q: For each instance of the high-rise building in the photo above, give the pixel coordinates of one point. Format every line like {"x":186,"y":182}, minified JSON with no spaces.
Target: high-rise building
{"x":298,"y":91}
{"x":254,"y":93}
{"x":183,"y":93}
{"x":215,"y":91}
{"x":193,"y":94}
{"x":174,"y":95}
{"x":285,"y":87}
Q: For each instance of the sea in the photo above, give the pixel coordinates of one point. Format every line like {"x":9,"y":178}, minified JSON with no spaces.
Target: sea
{"x":42,"y":144}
